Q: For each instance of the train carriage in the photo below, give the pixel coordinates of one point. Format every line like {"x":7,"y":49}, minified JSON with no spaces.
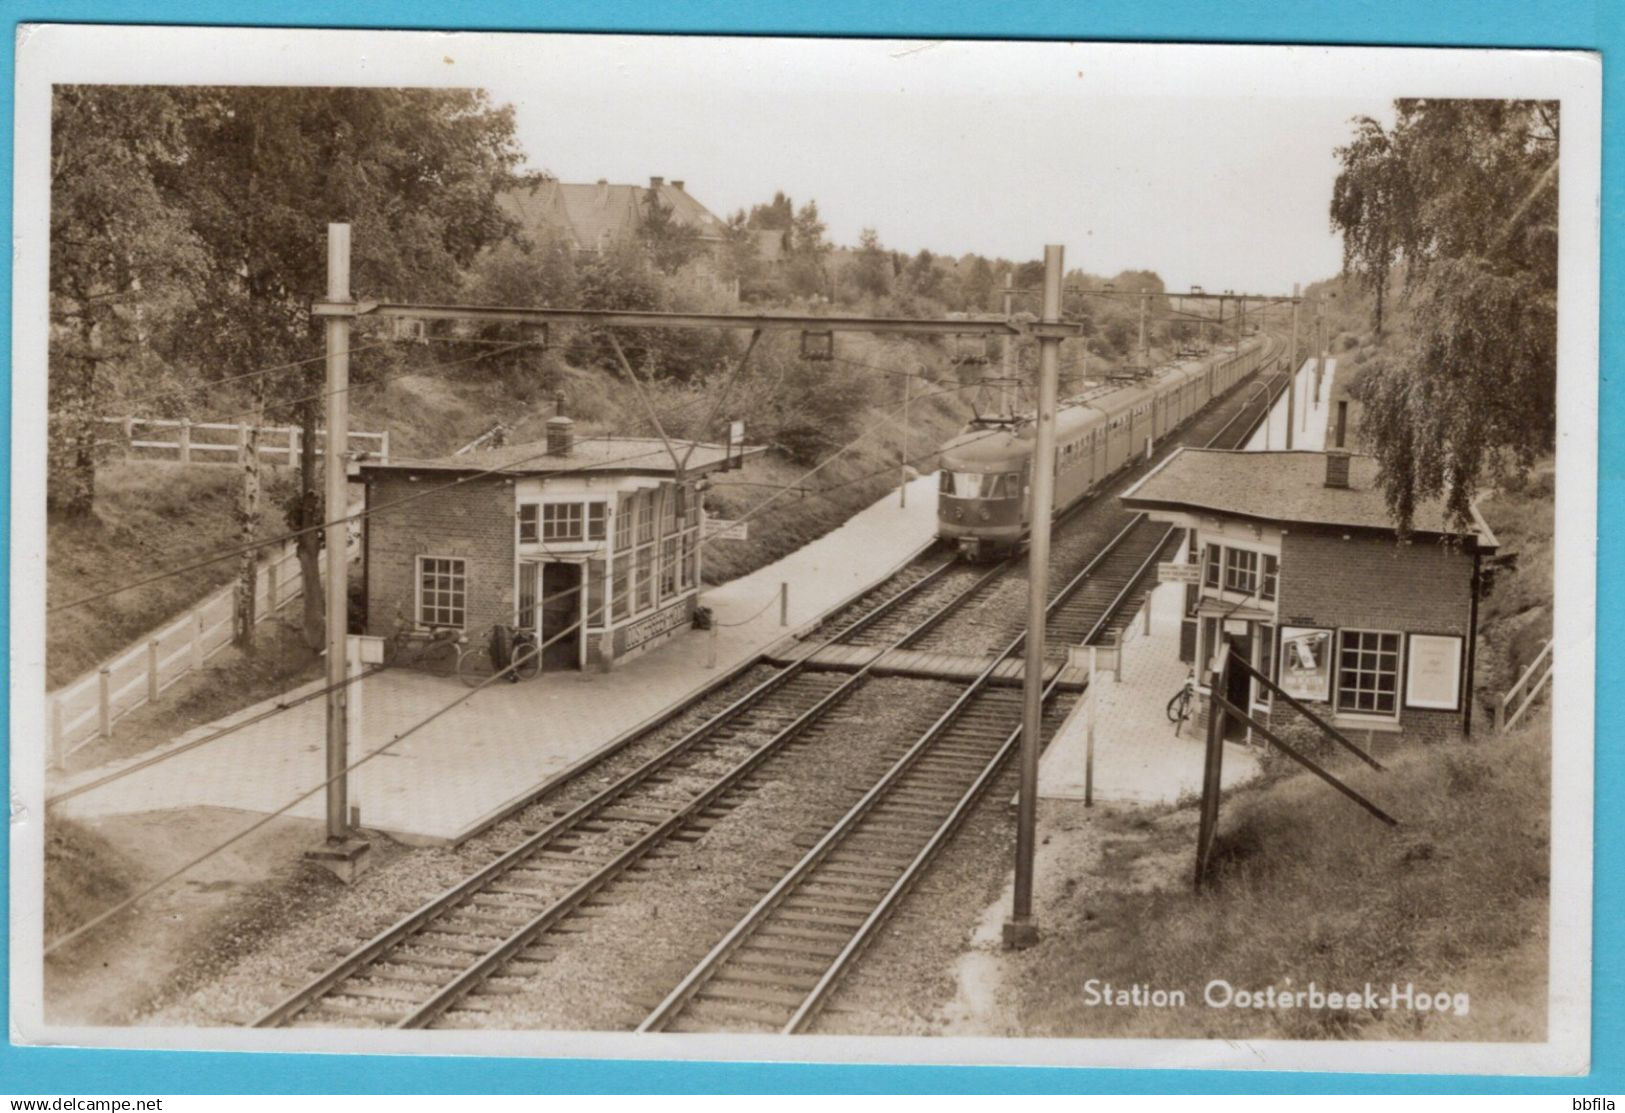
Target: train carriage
{"x":984,"y":489}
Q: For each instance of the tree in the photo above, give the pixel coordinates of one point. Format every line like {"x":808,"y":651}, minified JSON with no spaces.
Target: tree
{"x":872,"y":270}
{"x":979,"y":284}
{"x":416,"y":172}
{"x":1463,"y":195}
{"x":670,"y":242}
{"x":121,"y":251}
{"x":778,"y":214}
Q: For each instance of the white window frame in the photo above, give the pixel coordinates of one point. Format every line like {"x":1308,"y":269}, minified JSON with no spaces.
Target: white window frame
{"x":417,"y":590}
{"x":1354,"y":713}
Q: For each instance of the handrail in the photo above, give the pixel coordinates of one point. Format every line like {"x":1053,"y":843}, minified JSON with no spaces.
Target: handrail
{"x":1504,"y":722}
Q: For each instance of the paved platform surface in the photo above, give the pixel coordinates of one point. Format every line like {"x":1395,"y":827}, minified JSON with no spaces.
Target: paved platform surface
{"x":499,"y":746}
{"x":1138,"y":759}
{"x":1310,"y":419}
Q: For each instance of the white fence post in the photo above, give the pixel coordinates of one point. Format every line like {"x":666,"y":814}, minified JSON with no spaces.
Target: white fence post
{"x":152,"y":671}
{"x":129,"y":436}
{"x":197,"y":638}
{"x":383,"y":447}
{"x":271,"y":567}
{"x":242,"y":444}
{"x":104,"y":701}
{"x":184,"y":444}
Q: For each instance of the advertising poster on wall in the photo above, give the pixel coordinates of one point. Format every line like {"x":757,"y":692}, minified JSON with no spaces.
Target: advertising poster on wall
{"x":1306,"y":663}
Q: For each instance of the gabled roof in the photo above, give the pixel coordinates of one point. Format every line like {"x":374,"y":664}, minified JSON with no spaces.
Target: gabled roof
{"x":592,"y":216}
{"x":1284,"y":487}
{"x":596,"y":454}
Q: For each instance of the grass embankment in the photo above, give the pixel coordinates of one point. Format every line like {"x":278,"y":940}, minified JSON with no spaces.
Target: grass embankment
{"x":1516,"y":619}
{"x":148,"y":517}
{"x":84,"y":875}
{"x":1309,"y":887}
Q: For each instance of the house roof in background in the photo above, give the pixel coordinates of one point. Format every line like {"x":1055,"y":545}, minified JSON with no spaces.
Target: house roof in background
{"x":593,"y":215}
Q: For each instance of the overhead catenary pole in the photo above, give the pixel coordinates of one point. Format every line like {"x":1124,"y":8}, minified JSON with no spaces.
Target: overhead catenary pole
{"x":902,"y":448}
{"x":1292,"y":370}
{"x":1145,"y":354}
{"x":1021,"y":930}
{"x":338,"y":499}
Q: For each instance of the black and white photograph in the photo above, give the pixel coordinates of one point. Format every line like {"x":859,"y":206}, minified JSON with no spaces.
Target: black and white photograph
{"x":804,"y":549}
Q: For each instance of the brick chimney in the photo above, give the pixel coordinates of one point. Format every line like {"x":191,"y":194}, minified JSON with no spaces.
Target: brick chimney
{"x":655,"y":182}
{"x":560,"y":436}
{"x":1337,"y":469}
{"x":677,"y":184}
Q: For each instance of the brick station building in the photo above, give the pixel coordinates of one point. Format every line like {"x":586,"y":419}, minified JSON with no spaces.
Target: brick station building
{"x":1301,"y":571}
{"x":597,"y":533}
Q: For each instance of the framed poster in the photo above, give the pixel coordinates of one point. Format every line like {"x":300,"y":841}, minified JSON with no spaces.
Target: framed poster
{"x":1433,"y":671}
{"x":1306,"y":663}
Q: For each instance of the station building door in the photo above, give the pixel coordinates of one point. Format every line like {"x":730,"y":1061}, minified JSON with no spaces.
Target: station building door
{"x":1240,"y":689}
{"x":561,"y":610}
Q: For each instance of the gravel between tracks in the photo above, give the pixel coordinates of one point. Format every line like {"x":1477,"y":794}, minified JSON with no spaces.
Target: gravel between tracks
{"x":648,"y":933}
{"x":301,"y":925}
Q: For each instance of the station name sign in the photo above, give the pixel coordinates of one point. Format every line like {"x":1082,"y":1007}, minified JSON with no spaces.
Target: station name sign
{"x":656,"y":624}
{"x":1170,"y":573}
{"x":725,"y":529}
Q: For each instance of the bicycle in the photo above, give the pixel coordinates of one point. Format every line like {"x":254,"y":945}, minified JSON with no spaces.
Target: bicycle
{"x":508,"y":651}
{"x":436,"y":650}
{"x":1179,"y":708}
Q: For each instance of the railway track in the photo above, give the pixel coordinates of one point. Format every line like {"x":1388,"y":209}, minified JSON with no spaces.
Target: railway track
{"x":508,"y":916}
{"x":500,"y":917}
{"x":778,"y":964}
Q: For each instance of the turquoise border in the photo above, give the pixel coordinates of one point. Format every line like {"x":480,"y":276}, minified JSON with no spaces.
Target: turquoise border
{"x":1594,"y":25}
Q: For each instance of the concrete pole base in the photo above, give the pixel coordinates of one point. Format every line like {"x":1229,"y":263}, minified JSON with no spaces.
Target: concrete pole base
{"x":346,"y":860}
{"x":1020,"y":934}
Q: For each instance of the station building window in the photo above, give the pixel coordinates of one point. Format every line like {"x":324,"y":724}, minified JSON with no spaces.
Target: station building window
{"x":562,"y":521}
{"x":1241,"y":570}
{"x":596,"y":602}
{"x":528,"y":528}
{"x":595,"y":520}
{"x":442,"y":591}
{"x":1272,"y":575}
{"x":1368,"y":672}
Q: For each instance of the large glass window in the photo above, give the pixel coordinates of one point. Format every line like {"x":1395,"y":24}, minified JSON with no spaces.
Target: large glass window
{"x":621,"y":584}
{"x":1210,"y":567}
{"x":624,"y":513}
{"x":1368,"y":672}
{"x":668,"y":568}
{"x":528,"y":516}
{"x":643,"y":579}
{"x":595,"y":520}
{"x":442,"y":591}
{"x":1272,"y":575}
{"x":646,"y":516}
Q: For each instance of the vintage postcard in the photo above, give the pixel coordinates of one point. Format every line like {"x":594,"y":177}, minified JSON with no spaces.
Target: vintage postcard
{"x":804,"y":549}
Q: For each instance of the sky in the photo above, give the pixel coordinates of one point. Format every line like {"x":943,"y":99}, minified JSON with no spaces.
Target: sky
{"x":1173,"y":164}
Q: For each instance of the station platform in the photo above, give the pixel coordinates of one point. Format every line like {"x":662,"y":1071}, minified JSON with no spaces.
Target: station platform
{"x":1311,"y":415}
{"x":1138,"y":757}
{"x":922,"y":664}
{"x":448,"y":779}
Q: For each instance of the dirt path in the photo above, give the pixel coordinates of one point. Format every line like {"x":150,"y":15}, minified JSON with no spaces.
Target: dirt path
{"x":121,"y":973}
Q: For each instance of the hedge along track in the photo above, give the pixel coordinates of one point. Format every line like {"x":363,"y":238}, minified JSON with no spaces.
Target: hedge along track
{"x":778,"y":965}
{"x":423,"y":965}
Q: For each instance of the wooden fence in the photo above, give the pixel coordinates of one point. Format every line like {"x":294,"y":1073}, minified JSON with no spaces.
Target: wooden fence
{"x":212,"y":442}
{"x":87,"y":708}
{"x":1540,"y":671}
